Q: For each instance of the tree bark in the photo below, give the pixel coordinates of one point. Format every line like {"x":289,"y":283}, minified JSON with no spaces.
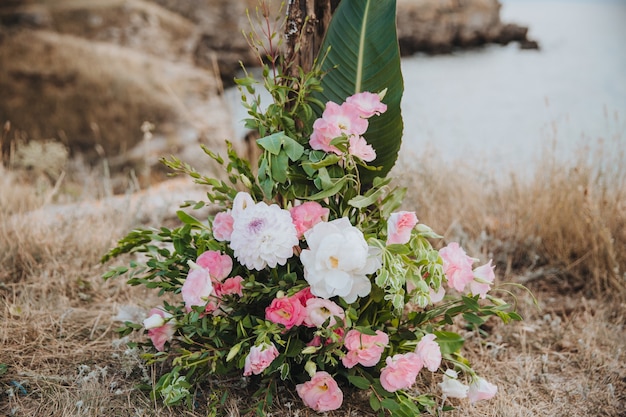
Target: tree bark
{"x":307,"y":22}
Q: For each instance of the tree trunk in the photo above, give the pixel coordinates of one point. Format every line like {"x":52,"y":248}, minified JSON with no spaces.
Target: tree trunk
{"x":307,"y":21}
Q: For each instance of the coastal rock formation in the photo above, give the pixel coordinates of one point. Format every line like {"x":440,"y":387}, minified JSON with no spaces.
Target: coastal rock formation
{"x":90,"y":73}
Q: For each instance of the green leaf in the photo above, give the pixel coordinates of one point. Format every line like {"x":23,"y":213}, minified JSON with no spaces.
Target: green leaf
{"x":449,"y":342}
{"x":188,"y":219}
{"x":364,"y":56}
{"x":374,"y":402}
{"x":359,"y":381}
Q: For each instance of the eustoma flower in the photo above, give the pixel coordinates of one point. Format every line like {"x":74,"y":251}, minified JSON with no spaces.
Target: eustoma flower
{"x":259,"y":358}
{"x":483,"y":278}
{"x":307,"y":215}
{"x":262,"y":235}
{"x":451,"y":387}
{"x":287,"y":311}
{"x":457,"y":266}
{"x":197,"y":287}
{"x":399,"y":227}
{"x":160,"y":328}
{"x":363,"y":348}
{"x":429,"y":352}
{"x":481,"y":389}
{"x":321,"y":393}
{"x":400,"y":372}
{"x":318,"y":310}
{"x":338,"y":261}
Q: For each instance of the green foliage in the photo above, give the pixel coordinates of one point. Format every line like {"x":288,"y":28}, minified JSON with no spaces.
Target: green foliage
{"x":360,"y":53}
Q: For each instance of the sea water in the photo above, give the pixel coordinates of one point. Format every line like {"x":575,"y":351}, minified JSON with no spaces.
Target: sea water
{"x":501,"y":107}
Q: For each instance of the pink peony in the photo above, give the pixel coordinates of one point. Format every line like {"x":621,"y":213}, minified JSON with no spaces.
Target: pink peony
{"x":364,"y":349}
{"x":223,"y":226}
{"x":160,"y":329}
{"x":230,"y":286}
{"x":307,"y":215}
{"x":457,"y":266}
{"x":259,"y":358}
{"x":197,"y":287}
{"x":429,"y":352}
{"x":399,"y":227}
{"x":321,"y":393}
{"x":318,"y":310}
{"x":400,"y":372}
{"x":287,"y":311}
{"x":480,"y":389}
{"x":218,"y":265}
{"x":359,"y":147}
{"x":367,"y":103}
{"x":483,"y":278}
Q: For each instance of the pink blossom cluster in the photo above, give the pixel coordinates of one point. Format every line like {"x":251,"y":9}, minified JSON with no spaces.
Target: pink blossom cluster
{"x":457,"y":267}
{"x":348,"y":120}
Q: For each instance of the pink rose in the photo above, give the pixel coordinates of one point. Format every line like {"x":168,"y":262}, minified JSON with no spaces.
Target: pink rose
{"x":457,"y":266}
{"x":304,"y":295}
{"x":400,"y":372}
{"x":367,"y":103}
{"x":223,"y":226}
{"x":429,"y":352}
{"x":399,"y":227}
{"x":363,"y":348}
{"x":259,"y":358}
{"x":483,"y":278}
{"x":160,"y":329}
{"x":287,"y":311}
{"x":321,"y":393}
{"x":197,"y":288}
{"x":307,"y":215}
{"x":318,"y":310}
{"x":230,"y":286}
{"x":480,"y":389}
{"x":218,"y":265}
{"x":359,"y":147}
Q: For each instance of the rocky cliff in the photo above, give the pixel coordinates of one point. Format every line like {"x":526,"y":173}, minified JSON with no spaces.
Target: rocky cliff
{"x":89,"y":73}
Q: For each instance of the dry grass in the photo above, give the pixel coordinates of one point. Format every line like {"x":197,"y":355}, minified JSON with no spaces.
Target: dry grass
{"x":566,"y":359}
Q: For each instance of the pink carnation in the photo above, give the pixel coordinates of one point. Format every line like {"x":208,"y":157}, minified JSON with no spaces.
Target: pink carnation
{"x":307,"y":215}
{"x":318,"y":310}
{"x":223,"y":226}
{"x":480,"y":389}
{"x":364,"y":349}
{"x":160,"y":329}
{"x":400,"y":372}
{"x":259,"y":358}
{"x":197,"y":288}
{"x":457,"y":266}
{"x":287,"y":311}
{"x":359,"y":147}
{"x":321,"y":393}
{"x":429,"y":352}
{"x":218,"y":265}
{"x":486,"y":275}
{"x":399,"y":227}
{"x":367,"y":103}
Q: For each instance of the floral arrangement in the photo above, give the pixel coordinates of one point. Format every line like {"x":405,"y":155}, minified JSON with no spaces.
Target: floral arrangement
{"x":307,"y":273}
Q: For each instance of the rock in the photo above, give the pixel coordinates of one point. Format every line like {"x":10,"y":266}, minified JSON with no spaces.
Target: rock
{"x":442,"y":26}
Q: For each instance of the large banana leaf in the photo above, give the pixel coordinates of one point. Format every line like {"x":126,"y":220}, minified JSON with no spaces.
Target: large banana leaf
{"x":364,"y":56}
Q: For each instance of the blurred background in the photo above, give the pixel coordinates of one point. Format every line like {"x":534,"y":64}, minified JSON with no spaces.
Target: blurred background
{"x":132,"y":80}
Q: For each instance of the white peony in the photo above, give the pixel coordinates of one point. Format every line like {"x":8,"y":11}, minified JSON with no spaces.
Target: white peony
{"x":262,"y":235}
{"x":338,"y":260}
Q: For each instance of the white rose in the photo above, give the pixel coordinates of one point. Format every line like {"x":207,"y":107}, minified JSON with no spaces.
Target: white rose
{"x":338,"y":260}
